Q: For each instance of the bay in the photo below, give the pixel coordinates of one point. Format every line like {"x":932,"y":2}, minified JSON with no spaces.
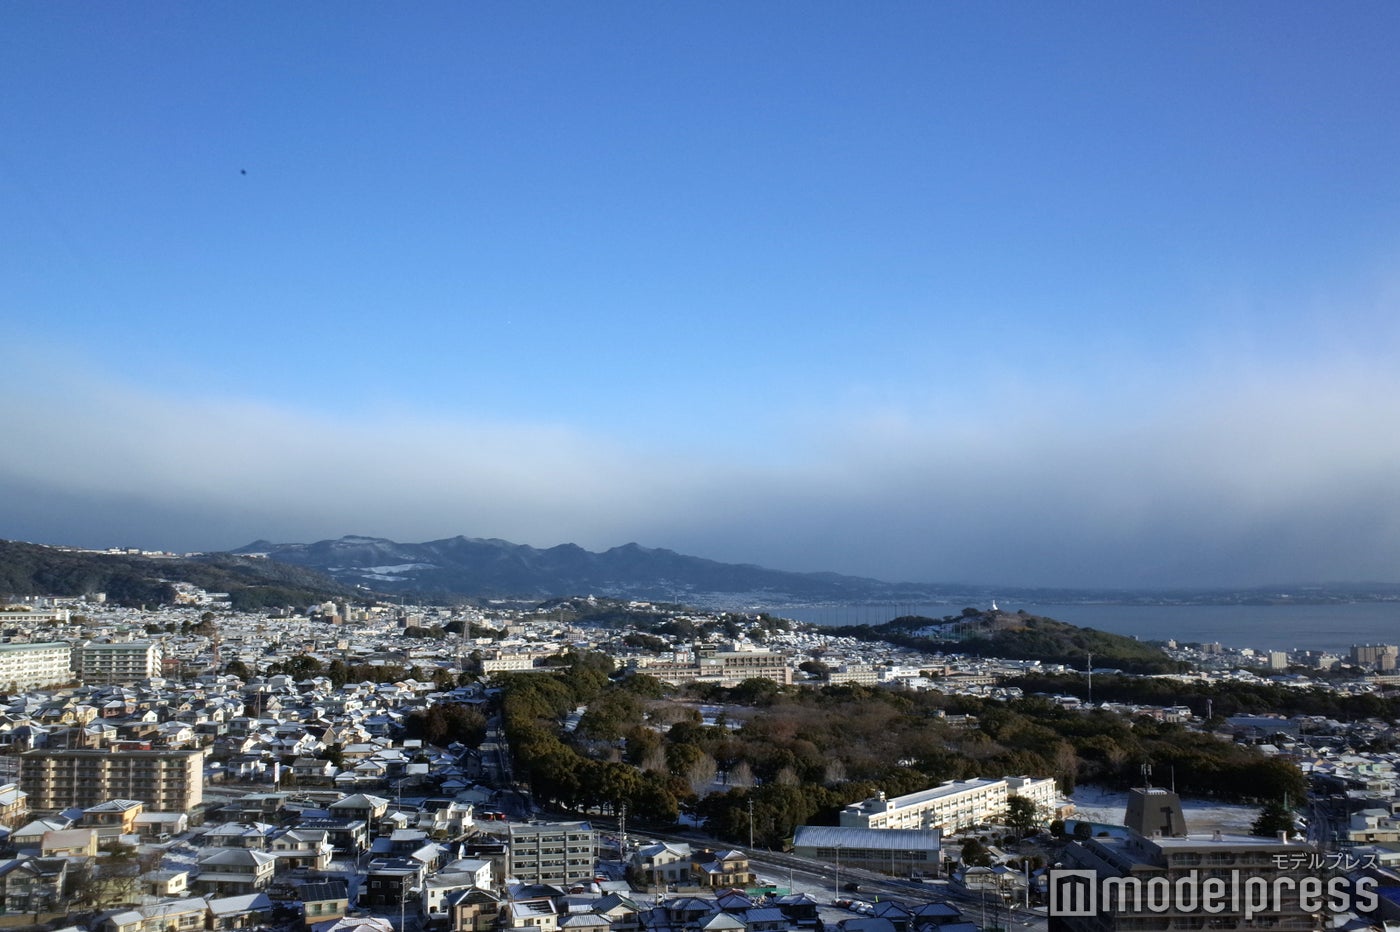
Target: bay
{"x":1332,"y":627}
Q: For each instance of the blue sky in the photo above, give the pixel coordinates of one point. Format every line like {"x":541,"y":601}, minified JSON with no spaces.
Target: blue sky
{"x":1080,"y":294}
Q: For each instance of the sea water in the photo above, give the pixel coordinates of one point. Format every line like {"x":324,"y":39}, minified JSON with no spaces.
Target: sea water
{"x":1332,"y":627}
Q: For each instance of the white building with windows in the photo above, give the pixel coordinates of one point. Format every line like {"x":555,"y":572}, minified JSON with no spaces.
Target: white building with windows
{"x":952,"y":806}
{"x":32,"y":666}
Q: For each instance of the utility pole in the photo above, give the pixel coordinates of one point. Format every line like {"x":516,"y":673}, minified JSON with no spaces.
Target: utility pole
{"x":750,"y":824}
{"x":1089,"y":669}
{"x":622,"y":830}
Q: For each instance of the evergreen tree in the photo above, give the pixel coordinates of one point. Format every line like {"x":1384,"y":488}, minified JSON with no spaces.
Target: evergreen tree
{"x":1273,"y":818}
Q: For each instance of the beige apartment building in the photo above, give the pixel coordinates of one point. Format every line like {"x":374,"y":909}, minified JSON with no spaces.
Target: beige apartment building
{"x":166,"y":781}
{"x":727,"y":668}
{"x":551,"y":852}
{"x":118,"y":662}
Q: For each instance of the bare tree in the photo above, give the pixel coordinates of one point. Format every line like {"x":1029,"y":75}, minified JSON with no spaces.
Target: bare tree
{"x":701,"y":774}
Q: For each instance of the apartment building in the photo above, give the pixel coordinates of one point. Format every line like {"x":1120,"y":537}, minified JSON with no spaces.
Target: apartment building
{"x":35,"y":666}
{"x":727,"y":668}
{"x":861,"y":674}
{"x":1185,"y":863}
{"x":1380,"y":657}
{"x":118,"y":662}
{"x":551,"y":852}
{"x":951,"y":806}
{"x":166,"y":780}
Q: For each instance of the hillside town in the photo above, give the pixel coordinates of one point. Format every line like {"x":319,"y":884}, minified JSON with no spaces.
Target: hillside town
{"x":192,"y":767}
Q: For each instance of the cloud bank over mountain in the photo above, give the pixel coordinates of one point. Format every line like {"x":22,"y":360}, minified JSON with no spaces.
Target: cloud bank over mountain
{"x":1284,"y":479}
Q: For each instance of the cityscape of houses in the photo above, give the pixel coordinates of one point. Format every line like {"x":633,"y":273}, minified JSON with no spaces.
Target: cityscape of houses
{"x":157,"y":773}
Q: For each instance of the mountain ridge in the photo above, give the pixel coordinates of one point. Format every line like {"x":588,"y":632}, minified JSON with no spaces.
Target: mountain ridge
{"x":492,"y":568}
{"x":495,"y":568}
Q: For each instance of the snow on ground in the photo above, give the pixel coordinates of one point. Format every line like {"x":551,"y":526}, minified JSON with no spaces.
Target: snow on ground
{"x":1098,"y":804}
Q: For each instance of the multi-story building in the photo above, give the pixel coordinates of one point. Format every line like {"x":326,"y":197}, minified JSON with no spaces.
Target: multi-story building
{"x":504,"y":662}
{"x":551,"y":852}
{"x":1375,"y":656}
{"x":727,"y":668}
{"x":861,"y":674}
{"x":167,"y":781}
{"x":35,"y":666}
{"x":952,"y":806}
{"x":117,"y":662}
{"x":1184,"y":864}
{"x":31,"y":617}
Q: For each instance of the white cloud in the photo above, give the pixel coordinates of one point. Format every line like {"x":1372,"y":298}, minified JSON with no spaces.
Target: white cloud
{"x":1247,"y":477}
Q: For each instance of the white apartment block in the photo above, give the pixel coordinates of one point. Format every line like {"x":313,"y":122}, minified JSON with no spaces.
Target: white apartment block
{"x":31,"y":666}
{"x":861,"y":674}
{"x":119,"y":662}
{"x":29,"y":616}
{"x":503,"y":662}
{"x":952,"y":806}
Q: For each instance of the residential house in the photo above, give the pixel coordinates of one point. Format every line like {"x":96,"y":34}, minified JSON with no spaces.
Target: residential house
{"x":31,"y":835}
{"x":14,"y":805}
{"x":360,"y":806}
{"x":32,"y":885}
{"x":584,"y":922}
{"x":165,"y":883}
{"x":302,"y":849}
{"x":727,"y":868}
{"x":113,"y":817}
{"x":234,"y":871}
{"x":161,"y":825}
{"x":69,"y":843}
{"x":389,"y":880}
{"x":663,"y":864}
{"x":432,"y":904}
{"x":799,"y":908}
{"x":474,"y":910}
{"x":323,"y":900}
{"x":539,"y":914}
{"x":254,"y":836}
{"x":186,"y":915}
{"x":355,"y":924}
{"x":246,"y":911}
{"x":449,"y":821}
{"x":622,"y":913}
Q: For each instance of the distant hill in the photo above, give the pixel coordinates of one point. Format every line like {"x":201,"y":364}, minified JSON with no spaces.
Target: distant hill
{"x":1017,"y":636}
{"x":128,"y":579}
{"x":490,"y":568}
